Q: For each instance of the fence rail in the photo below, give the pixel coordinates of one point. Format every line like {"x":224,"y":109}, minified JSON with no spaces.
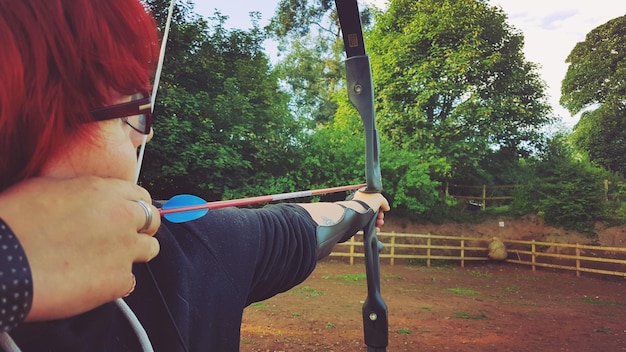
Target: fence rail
{"x":574,"y":257}
{"x":483,"y":197}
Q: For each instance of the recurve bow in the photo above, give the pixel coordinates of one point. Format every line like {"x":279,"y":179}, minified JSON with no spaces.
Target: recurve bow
{"x":361,"y":95}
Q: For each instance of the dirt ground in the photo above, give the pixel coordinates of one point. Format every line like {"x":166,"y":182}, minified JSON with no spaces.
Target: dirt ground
{"x":486,"y":306}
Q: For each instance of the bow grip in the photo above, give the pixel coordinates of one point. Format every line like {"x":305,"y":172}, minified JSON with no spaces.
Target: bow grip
{"x":361,"y":95}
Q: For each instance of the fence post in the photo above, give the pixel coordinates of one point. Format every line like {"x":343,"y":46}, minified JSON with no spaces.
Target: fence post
{"x":533,"y":253}
{"x":428,"y":252}
{"x":462,"y":253}
{"x":393,"y":249}
{"x":484,"y":203}
{"x":352,"y":241}
{"x":577,"y":260}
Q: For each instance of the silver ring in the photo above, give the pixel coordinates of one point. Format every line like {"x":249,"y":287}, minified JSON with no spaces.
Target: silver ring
{"x":148,"y":212}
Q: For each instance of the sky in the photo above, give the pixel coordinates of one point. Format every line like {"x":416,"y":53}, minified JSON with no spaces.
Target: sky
{"x":551,"y":29}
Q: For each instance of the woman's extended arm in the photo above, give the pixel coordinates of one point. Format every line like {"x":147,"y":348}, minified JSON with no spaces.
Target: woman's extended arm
{"x":341,"y":220}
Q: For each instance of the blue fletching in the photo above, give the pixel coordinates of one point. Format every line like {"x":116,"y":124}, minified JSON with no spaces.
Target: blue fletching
{"x":184,"y":200}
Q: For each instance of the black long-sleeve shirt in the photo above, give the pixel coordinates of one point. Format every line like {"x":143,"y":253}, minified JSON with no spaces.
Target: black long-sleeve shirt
{"x":207,"y":272}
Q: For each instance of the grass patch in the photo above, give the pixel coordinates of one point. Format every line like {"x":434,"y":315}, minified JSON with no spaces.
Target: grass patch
{"x":477,"y":273}
{"x":467,"y":316}
{"x":598,"y":300}
{"x":307,"y":291}
{"x":428,"y":308}
{"x":434,"y":263}
{"x":404,"y":331}
{"x":347,"y":277}
{"x":330,"y":325}
{"x":259,"y":305}
{"x":463,"y":291}
{"x":603,"y":330}
{"x":512,"y":288}
{"x":392,"y":276}
{"x":357,"y":277}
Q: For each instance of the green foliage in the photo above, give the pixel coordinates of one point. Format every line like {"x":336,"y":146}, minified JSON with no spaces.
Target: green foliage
{"x":222,"y":125}
{"x":335,"y":152}
{"x":597,"y":68}
{"x":348,"y":277}
{"x":601,"y":133}
{"x":307,"y":291}
{"x":467,"y":316}
{"x":479,"y":274}
{"x":566,"y":191}
{"x":595,"y":85}
{"x":404,"y":331}
{"x":463,"y":291}
{"x":451,"y":79}
{"x":312,"y":71}
{"x":295,"y":18}
{"x":456,"y":102}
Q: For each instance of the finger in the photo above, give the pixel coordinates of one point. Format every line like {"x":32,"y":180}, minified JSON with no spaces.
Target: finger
{"x":147,"y":247}
{"x":385,"y":206}
{"x":155,"y":222}
{"x":132,"y":286}
{"x":142,"y":194}
{"x":151,"y":218}
{"x":128,"y":190}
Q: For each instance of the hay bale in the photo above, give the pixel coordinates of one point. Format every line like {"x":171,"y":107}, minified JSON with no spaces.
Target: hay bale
{"x":497,"y":250}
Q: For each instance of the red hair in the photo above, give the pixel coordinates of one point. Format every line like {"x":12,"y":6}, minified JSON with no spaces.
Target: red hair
{"x":58,"y":60}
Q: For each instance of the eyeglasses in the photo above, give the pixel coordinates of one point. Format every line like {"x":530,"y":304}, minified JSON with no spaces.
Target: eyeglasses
{"x":136,"y":113}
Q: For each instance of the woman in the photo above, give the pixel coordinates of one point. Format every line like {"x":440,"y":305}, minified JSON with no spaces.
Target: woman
{"x":73,"y":98}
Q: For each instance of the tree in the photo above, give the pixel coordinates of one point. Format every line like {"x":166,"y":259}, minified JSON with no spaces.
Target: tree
{"x":595,"y":84}
{"x":312,"y":73}
{"x":222,"y":126}
{"x":310,"y":43}
{"x":601,"y":134}
{"x":451,"y":79}
{"x":565,"y":190}
{"x":597,"y":68}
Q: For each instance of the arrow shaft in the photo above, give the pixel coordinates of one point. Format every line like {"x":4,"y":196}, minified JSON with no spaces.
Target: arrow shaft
{"x":259,"y":199}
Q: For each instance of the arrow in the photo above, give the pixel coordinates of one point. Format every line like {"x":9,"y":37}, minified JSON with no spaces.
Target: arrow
{"x":186,"y":207}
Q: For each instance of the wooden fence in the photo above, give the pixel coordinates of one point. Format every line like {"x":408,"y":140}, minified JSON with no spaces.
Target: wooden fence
{"x":429,"y":248}
{"x":478,"y":195}
{"x":481,"y":200}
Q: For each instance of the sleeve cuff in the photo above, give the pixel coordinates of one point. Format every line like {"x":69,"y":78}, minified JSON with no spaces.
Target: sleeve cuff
{"x":16,"y":281}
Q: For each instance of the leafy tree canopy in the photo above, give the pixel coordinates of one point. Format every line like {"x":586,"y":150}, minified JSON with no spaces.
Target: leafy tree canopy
{"x":312,"y":50}
{"x":451,"y":77}
{"x":221,"y":122}
{"x":595,"y":84}
{"x":597,"y":68}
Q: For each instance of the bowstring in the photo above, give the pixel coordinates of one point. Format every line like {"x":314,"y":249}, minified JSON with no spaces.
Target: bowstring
{"x":121,"y":304}
{"x":155,"y":86}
